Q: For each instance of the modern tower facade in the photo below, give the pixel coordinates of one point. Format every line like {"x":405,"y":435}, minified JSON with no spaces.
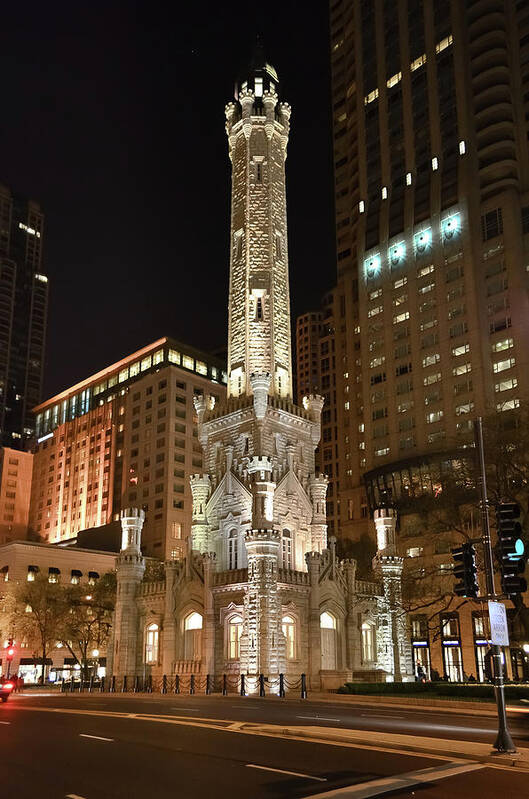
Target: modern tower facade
{"x":432,"y":224}
{"x":431,"y":165}
{"x":23,"y":315}
{"x":124,"y":435}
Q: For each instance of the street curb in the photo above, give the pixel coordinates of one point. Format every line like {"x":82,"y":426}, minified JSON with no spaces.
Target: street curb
{"x":507,"y":760}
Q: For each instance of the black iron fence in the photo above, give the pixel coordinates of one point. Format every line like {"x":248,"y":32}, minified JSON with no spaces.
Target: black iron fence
{"x":241,"y":684}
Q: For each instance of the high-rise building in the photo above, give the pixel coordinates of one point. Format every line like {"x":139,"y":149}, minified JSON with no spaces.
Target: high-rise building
{"x":308,"y":333}
{"x":432,"y":224}
{"x":23,"y":312}
{"x":124,"y":435}
{"x":431,"y":164}
{"x":15,"y":491}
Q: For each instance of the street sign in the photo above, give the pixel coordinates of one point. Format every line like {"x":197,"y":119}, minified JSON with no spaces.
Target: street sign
{"x":499,"y":632}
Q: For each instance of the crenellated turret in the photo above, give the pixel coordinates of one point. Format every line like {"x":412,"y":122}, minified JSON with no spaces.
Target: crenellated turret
{"x":200,"y":489}
{"x":318,"y":491}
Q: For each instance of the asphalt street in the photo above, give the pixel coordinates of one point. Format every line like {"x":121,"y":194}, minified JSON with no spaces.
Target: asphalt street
{"x":74,"y":746}
{"x":463,"y":726}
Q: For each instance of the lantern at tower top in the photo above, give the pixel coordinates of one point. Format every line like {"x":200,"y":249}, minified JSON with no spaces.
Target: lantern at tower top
{"x":259,"y":76}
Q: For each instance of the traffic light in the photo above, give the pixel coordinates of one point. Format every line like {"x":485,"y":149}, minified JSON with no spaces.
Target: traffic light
{"x":511,"y":548}
{"x":465,"y":570}
{"x":10,"y":650}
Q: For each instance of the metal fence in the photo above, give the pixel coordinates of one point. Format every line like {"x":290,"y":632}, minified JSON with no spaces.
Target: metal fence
{"x":241,"y":684}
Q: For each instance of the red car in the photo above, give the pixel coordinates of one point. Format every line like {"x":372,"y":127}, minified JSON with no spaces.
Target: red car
{"x":5,"y":689}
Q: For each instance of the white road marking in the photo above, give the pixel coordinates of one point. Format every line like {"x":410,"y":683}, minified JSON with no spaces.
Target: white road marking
{"x":291,"y":773}
{"x":74,"y":796}
{"x":96,"y":737}
{"x":5,"y":722}
{"x":399,"y":782}
{"x":318,"y":718}
{"x":385,"y":716}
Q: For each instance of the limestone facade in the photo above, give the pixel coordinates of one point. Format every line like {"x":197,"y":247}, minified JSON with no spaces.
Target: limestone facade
{"x":260,"y":590}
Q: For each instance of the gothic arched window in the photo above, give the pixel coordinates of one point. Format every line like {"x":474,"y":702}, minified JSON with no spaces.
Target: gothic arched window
{"x":193,"y":636}
{"x":234,"y":637}
{"x":288,"y":625}
{"x":233,"y":555}
{"x":152,"y":643}
{"x":328,"y":641}
{"x":368,"y":642}
{"x":286,"y":549}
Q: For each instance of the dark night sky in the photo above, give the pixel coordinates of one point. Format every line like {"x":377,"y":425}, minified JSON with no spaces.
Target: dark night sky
{"x":112,"y":117}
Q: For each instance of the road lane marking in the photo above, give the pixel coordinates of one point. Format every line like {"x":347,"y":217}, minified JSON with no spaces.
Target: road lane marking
{"x":5,"y":722}
{"x":318,"y":718}
{"x":74,"y":796}
{"x":399,"y":782}
{"x":96,"y":737}
{"x":385,"y":716}
{"x":291,"y":773}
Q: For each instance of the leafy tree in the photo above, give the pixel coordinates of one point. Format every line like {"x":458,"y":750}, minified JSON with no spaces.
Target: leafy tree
{"x":41,"y":608}
{"x":87,"y":624}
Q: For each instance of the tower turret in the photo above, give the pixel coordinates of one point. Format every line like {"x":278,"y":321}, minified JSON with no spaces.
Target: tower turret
{"x":257,"y":125}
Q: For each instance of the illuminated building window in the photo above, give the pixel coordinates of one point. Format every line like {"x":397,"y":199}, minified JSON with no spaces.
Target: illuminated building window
{"x":157,"y":357}
{"x":151,"y":643}
{"x":462,"y":147}
{"x":201,"y":368}
{"x":435,"y":163}
{"x":371,"y":96}
{"x":32,"y":572}
{"x":193,"y":636}
{"x":134,"y":369}
{"x":508,"y":405}
{"x":173,"y":356}
{"x":444,"y":43}
{"x":187,"y":362}
{"x":146,"y":363}
{"x":419,"y":62}
{"x":123,"y":375}
{"x":361,"y":206}
{"x":368,"y":643}
{"x":384,"y":192}
{"x":235,"y":625}
{"x":288,"y":626}
{"x":408,"y":178}
{"x":258,"y":87}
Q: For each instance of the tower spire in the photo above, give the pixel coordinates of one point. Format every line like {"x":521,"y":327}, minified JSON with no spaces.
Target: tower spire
{"x":257,"y":125}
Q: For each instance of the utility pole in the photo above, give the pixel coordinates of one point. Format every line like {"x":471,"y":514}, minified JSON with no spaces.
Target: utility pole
{"x":503,"y":742}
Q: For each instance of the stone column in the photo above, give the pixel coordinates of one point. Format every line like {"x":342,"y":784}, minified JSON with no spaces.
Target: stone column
{"x":200,"y":488}
{"x":318,"y":528}
{"x":314,"y":560}
{"x":130,"y":568}
{"x":209,"y":614}
{"x":393,"y":645}
{"x":169,"y":619}
{"x":262,"y":643}
{"x":351,"y":629}
{"x":261,"y":651}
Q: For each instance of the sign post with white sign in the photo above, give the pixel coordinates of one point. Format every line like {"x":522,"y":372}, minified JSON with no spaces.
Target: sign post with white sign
{"x":499,"y":632}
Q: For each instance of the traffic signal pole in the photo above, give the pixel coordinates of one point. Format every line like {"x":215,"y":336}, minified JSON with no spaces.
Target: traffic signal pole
{"x":503,"y":742}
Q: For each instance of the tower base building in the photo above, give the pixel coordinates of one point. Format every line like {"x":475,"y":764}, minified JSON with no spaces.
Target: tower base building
{"x":260,"y":591}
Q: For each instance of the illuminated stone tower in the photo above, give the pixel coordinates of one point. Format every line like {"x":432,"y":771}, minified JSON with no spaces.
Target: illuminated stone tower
{"x":259,"y":318}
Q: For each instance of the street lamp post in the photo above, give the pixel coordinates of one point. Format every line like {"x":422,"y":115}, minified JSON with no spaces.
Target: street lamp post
{"x":503,"y":742}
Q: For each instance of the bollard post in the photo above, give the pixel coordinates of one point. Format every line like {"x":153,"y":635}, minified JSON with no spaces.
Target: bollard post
{"x":62,"y":686}
{"x":208,"y":685}
{"x":224,"y":685}
{"x":72,"y":684}
{"x":91,"y":684}
{"x":303,"y":686}
{"x":282,"y":685}
{"x":243,"y":689}
{"x":81,"y":684}
{"x":192,"y":684}
{"x":136,"y":684}
{"x":164,"y":684}
{"x":102,"y":685}
{"x":113,"y":684}
{"x":261,"y":685}
{"x":149,"y":684}
{"x":177,"y":683}
{"x":124,"y":685}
